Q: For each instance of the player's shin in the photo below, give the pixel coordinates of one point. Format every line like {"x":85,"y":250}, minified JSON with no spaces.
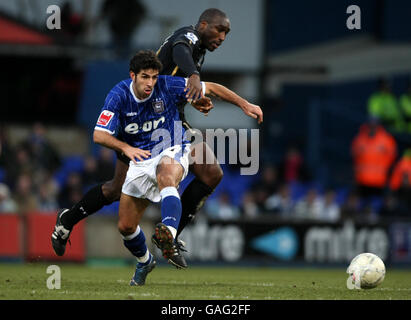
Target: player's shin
{"x":170,"y":209}
{"x":92,"y":201}
{"x":192,"y":200}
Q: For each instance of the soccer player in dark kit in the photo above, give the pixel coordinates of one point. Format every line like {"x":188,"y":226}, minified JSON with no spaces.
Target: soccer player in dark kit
{"x":182,"y":54}
{"x":145,"y":108}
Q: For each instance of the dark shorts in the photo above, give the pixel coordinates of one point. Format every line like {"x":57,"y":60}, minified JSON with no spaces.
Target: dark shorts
{"x":122,"y":157}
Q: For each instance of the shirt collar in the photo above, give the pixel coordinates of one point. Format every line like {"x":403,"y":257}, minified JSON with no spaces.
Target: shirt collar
{"x":134,"y":96}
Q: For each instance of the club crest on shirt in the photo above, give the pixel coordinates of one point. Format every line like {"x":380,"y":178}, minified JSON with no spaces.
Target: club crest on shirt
{"x":158,"y":106}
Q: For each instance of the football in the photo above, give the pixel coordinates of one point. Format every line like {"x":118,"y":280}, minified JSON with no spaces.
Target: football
{"x":366,"y":271}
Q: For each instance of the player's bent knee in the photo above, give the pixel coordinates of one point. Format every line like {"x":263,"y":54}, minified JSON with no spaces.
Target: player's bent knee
{"x":213,"y":175}
{"x":112,"y":191}
{"x":166,"y":180}
{"x":126,"y":229}
{"x":216,"y":172}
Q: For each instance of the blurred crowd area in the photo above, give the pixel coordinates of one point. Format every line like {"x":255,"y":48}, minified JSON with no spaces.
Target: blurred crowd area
{"x":35,"y":177}
{"x":381,"y":175}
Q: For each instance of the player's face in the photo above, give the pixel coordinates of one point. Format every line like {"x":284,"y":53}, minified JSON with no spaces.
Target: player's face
{"x":144,"y":82}
{"x":214,"y":33}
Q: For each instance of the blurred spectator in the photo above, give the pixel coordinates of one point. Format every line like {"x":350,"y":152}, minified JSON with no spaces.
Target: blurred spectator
{"x":269,"y":179}
{"x":367,"y":214}
{"x":350,"y":209}
{"x":105,"y":165}
{"x":24,"y":195}
{"x":281,"y":202}
{"x":22,"y":165}
{"x":42,"y":153}
{"x":329,"y":211}
{"x":292,"y":168}
{"x":400,"y":182}
{"x":221,"y":208}
{"x":265,"y":186}
{"x":260,"y":197}
{"x":89,"y":174}
{"x":7,"y":204}
{"x":249,"y":208}
{"x":7,"y":155}
{"x":309,"y":207}
{"x":71,"y":190}
{"x":123,"y":18}
{"x":72,"y":23}
{"x":405,"y":107}
{"x":46,"y":201}
{"x":373,"y":151}
{"x":393,"y":208}
{"x":383,"y":105}
{"x":47,"y":191}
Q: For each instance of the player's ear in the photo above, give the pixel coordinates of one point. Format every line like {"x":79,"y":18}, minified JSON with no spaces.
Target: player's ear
{"x":132,"y":75}
{"x":203,"y":25}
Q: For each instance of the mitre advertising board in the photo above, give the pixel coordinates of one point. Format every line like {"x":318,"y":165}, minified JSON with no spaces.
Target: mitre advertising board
{"x":282,"y":242}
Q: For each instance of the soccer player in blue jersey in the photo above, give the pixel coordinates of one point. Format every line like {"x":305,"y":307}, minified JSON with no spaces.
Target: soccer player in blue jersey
{"x":182,"y":54}
{"x":144,"y":108}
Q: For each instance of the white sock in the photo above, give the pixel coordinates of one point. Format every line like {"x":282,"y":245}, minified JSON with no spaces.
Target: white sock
{"x":173,"y":231}
{"x":133,"y":235}
{"x":144,"y":258}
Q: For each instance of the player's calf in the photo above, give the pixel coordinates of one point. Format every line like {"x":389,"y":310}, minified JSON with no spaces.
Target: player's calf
{"x":169,"y":174}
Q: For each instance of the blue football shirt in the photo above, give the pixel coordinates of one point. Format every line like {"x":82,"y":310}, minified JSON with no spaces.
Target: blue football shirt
{"x":153,"y":123}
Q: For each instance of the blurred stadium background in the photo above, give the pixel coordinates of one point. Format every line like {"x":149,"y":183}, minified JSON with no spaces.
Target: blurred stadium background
{"x":314,"y":78}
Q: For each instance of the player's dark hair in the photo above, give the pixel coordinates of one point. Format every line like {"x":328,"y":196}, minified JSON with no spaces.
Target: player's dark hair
{"x":210,"y":14}
{"x":143,"y":60}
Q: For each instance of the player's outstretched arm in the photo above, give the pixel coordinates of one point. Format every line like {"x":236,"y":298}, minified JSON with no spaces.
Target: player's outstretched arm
{"x":183,"y":58}
{"x":219,"y":91}
{"x":107,"y":140}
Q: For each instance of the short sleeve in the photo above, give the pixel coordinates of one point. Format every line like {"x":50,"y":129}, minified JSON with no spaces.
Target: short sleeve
{"x":109,"y":115}
{"x":189,"y":38}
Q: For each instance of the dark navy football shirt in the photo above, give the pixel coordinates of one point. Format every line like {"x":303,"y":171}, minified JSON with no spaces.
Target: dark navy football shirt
{"x":150,"y":124}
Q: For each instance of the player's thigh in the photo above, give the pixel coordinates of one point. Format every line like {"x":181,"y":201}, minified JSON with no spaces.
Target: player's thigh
{"x":169,"y":172}
{"x":205,"y":165}
{"x":200,"y":155}
{"x":130,"y":212}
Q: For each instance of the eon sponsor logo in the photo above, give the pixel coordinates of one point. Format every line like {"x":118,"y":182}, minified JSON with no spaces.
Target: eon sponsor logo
{"x":328,"y":244}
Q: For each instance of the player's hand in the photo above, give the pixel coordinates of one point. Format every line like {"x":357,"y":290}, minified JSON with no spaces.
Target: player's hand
{"x":136,"y":154}
{"x":203,"y":105}
{"x":194,"y":88}
{"x":253,"y":111}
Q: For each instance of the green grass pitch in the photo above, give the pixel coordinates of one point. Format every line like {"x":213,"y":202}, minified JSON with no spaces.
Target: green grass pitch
{"x":82,"y":282}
